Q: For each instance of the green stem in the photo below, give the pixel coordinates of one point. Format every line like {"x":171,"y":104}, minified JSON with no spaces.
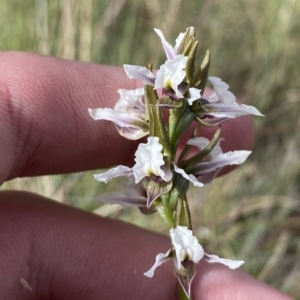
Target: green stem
{"x":187,"y":212}
{"x":178,"y":212}
{"x":165,"y":212}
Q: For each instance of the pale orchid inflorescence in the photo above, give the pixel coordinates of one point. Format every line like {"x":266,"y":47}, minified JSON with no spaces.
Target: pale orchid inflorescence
{"x":160,"y":177}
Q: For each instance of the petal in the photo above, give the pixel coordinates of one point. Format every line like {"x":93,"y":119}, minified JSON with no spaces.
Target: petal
{"x":195,"y":94}
{"x":119,"y":118}
{"x":171,"y":74}
{"x":221,"y":90}
{"x":167,"y":174}
{"x":170,"y":53}
{"x":222,"y":103}
{"x":129,"y":126}
{"x":159,"y":260}
{"x":206,"y":170}
{"x":185,"y":245}
{"x":149,"y":160}
{"x":199,"y":142}
{"x":224,"y":159}
{"x":207,"y":178}
{"x":190,"y":177}
{"x":131,"y":102}
{"x":132,"y":133}
{"x":112,"y":173}
{"x":121,"y":199}
{"x":231,"y":264}
{"x":141,"y":73}
{"x":233,"y":110}
{"x":129,"y":194}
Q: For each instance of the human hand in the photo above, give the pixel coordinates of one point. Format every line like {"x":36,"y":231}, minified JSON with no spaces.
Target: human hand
{"x":62,"y":252}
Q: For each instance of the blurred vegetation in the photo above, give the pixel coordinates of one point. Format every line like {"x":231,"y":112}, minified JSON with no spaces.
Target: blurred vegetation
{"x":253,"y":213}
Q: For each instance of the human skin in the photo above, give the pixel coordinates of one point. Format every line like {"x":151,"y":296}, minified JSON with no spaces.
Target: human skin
{"x":65,"y":253}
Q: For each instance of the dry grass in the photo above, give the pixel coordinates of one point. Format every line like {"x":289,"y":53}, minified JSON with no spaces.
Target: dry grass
{"x":253,"y":213}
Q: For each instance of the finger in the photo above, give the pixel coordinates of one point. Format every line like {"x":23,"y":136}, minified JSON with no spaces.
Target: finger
{"x":44,"y":115}
{"x":217,"y":282}
{"x":64,"y":253}
{"x":46,"y":128}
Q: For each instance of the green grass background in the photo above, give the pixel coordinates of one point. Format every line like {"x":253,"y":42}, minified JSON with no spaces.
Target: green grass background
{"x":252,"y":214}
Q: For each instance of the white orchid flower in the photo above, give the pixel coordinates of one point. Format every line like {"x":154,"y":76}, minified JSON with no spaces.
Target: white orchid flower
{"x":222,"y":104}
{"x":187,"y":248}
{"x":128,"y":114}
{"x":170,"y":77}
{"x":207,"y":170}
{"x":149,"y":162}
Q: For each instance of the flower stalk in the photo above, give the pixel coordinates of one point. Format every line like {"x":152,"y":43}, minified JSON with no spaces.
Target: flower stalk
{"x":165,"y":166}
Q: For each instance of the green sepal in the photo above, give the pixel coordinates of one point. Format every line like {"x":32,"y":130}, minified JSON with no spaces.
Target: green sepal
{"x":159,"y":129}
{"x":169,"y":103}
{"x":182,"y":213}
{"x":165,"y":213}
{"x":190,"y":163}
{"x":164,"y":210}
{"x":185,"y":43}
{"x":151,"y":97}
{"x":151,"y":121}
{"x":184,"y":121}
{"x":188,"y":47}
{"x":190,"y":65}
{"x":202,"y":75}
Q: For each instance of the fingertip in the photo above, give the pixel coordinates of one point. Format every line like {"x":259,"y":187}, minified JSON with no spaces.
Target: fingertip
{"x":214,"y":281}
